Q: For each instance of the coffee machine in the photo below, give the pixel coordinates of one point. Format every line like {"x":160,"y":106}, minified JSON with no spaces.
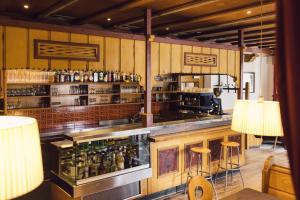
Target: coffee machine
{"x":217,"y":101}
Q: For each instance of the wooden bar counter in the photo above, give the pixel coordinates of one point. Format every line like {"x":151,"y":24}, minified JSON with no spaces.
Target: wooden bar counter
{"x":170,"y":143}
{"x":170,"y":154}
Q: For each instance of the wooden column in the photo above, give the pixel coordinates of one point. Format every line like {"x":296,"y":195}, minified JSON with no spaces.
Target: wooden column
{"x":147,"y":116}
{"x":241,"y":45}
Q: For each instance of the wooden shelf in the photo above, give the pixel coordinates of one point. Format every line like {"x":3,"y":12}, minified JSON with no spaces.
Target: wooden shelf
{"x":29,"y":83}
{"x":74,"y":83}
{"x":134,"y":93}
{"x":29,"y":96}
{"x":104,"y":94}
{"x":167,"y":81}
{"x":163,"y":92}
{"x":66,"y":95}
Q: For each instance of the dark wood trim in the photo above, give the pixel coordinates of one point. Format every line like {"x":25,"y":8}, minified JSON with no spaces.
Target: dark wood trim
{"x":241,"y":45}
{"x":213,"y":55}
{"x":194,"y":43}
{"x":104,"y":33}
{"x":233,"y":35}
{"x":255,"y":36}
{"x":56,"y":8}
{"x":65,"y":28}
{"x":37,"y":56}
{"x":186,"y":32}
{"x":165,"y":12}
{"x":127,"y":5}
{"x":230,"y":28}
{"x":148,"y":117}
{"x":208,"y":17}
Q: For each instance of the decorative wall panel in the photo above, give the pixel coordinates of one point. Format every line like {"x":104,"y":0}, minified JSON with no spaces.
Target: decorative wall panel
{"x":215,"y":147}
{"x":168,"y":160}
{"x":187,"y":154}
{"x":200,"y":59}
{"x":66,"y":50}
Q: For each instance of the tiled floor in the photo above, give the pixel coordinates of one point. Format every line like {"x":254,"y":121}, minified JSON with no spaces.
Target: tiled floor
{"x":251,"y":172}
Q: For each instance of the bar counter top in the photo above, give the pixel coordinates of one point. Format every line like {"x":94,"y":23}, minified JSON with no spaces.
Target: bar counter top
{"x":81,"y":133}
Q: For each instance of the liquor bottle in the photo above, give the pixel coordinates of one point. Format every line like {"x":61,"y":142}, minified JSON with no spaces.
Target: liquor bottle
{"x":56,"y":76}
{"x":113,"y":167}
{"x":85,"y":76}
{"x":120,"y":160}
{"x":118,"y":76}
{"x":96,"y":78}
{"x":62,"y":77}
{"x":81,"y":76}
{"x":72,"y":79}
{"x":101,"y":76}
{"x":105,"y":77}
{"x":131,"y":77}
{"x":76,"y":76}
{"x":91,"y":77}
{"x":108,"y":76}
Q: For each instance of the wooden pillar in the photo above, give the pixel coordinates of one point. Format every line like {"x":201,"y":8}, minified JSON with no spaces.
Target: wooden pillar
{"x":147,"y":116}
{"x":275,"y":82}
{"x":241,"y":45}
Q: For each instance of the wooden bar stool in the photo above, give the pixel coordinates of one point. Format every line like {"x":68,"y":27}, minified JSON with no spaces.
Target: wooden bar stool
{"x":199,"y":151}
{"x":228,"y":147}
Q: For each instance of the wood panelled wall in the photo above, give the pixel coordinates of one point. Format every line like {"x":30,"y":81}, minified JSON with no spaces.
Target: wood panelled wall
{"x":116,"y":54}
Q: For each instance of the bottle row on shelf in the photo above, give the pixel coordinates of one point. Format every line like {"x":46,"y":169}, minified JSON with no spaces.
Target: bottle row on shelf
{"x":90,"y":161}
{"x":68,"y":76}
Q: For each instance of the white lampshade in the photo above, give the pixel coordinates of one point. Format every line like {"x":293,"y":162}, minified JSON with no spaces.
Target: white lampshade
{"x":257,"y":118}
{"x":21,"y":168}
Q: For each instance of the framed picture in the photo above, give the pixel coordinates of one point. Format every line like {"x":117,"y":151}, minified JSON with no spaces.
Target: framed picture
{"x":249,"y":77}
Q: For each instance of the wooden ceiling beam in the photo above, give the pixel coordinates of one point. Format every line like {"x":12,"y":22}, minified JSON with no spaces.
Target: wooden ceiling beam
{"x":263,"y":45}
{"x":230,"y":33}
{"x":256,"y":40}
{"x":116,"y":8}
{"x":209,"y":17}
{"x":271,"y":41}
{"x":188,"y":32}
{"x":248,"y":37}
{"x":56,"y":8}
{"x":230,"y":28}
{"x":233,"y":35}
{"x":168,"y":11}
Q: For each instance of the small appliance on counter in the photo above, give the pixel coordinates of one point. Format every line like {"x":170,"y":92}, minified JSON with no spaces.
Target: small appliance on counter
{"x":217,"y":101}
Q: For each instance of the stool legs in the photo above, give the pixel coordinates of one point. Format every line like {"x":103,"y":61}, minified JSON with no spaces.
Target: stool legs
{"x":189,"y":175}
{"x":202,"y":173}
{"x":238,"y":151}
{"x":229,"y":166}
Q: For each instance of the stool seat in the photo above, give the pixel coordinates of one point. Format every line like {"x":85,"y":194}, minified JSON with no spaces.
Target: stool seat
{"x":200,"y":150}
{"x":230,"y":144}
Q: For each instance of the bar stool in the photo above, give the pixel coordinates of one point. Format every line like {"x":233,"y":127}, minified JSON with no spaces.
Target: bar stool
{"x":199,"y":151}
{"x":228,"y":147}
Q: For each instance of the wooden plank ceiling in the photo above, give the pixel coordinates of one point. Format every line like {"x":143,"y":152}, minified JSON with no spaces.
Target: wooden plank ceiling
{"x":212,"y":21}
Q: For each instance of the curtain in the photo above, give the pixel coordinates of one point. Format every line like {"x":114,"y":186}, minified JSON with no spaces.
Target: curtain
{"x":287,"y":67}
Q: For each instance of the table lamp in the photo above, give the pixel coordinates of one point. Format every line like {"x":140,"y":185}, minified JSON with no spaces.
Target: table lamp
{"x":257,"y":117}
{"x":21,"y":169}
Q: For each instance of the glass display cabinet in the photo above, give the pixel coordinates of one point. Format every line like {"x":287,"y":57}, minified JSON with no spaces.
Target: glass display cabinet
{"x":112,"y":159}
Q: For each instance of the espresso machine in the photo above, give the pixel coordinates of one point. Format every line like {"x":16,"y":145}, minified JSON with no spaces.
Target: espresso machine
{"x":217,"y":101}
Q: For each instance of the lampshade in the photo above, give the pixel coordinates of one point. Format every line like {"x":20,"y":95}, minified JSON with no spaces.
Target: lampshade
{"x":257,"y":118}
{"x":21,"y":168}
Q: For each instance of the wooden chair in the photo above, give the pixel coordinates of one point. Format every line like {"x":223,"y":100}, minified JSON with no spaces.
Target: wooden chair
{"x":277,"y":179}
{"x":199,"y":181}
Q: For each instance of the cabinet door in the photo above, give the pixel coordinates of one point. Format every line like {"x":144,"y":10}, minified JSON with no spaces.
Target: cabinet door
{"x":166,"y":167}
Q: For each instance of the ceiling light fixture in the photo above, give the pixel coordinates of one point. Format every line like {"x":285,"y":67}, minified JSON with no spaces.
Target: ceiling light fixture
{"x":167,"y":28}
{"x":108,"y":19}
{"x":26,"y":6}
